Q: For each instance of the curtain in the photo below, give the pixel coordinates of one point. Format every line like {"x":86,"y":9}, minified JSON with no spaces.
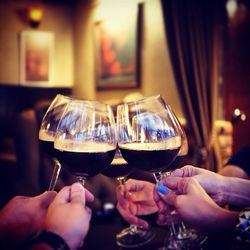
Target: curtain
{"x":194,"y":31}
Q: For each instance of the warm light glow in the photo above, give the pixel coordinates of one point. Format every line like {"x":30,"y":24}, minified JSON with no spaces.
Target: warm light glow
{"x":237,"y":112}
{"x":231,"y":6}
{"x":35,"y":15}
{"x":243,"y":117}
{"x":113,"y":10}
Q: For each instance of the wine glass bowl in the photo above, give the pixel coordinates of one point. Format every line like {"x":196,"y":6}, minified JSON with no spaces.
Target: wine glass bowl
{"x":180,"y":236}
{"x":47,"y":132}
{"x":85,"y":140}
{"x":118,"y":168}
{"x":183,"y":152}
{"x":148,"y":140}
{"x":147,"y":135}
{"x":53,"y":114}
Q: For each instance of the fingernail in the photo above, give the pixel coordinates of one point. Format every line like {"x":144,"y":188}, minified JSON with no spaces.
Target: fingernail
{"x":162,"y":189}
{"x":244,"y":224}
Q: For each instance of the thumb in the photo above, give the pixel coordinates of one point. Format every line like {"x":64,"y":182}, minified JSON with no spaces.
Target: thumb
{"x":179,"y":184}
{"x":46,"y":198}
{"x":77,"y":193}
{"x":185,"y":171}
{"x":89,"y":196}
{"x":168,"y":197}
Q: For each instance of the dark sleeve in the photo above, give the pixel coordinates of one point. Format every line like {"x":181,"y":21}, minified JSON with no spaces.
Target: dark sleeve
{"x":241,"y":159}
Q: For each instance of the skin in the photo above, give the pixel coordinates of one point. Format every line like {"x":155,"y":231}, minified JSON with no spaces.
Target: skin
{"x":65,"y":214}
{"x":233,"y":171}
{"x":135,"y":198}
{"x":222,"y":189}
{"x":22,"y":217}
{"x":209,"y":180}
{"x":194,"y":205}
{"x":68,"y":215}
{"x":213,"y":190}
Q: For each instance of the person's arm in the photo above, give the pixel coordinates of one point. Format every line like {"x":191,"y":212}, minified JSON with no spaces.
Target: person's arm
{"x":210,"y":181}
{"x":222,"y":189}
{"x":22,"y":217}
{"x":194,"y":205}
{"x":236,"y":191}
{"x":233,"y":171}
{"x":67,"y":220}
{"x":238,"y":165}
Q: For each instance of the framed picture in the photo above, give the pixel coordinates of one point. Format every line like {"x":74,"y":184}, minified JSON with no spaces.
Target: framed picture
{"x":117,"y":47}
{"x":36,"y":58}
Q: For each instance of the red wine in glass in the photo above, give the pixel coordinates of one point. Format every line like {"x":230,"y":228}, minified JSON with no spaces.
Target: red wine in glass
{"x":87,"y":160}
{"x":47,"y":133}
{"x":150,"y":157}
{"x":85,"y":139}
{"x":47,"y":144}
{"x":118,"y":168}
{"x":149,"y":141}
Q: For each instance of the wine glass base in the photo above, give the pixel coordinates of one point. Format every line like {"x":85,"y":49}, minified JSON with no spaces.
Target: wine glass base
{"x":129,"y":239}
{"x":188,"y":240}
{"x":194,"y":241}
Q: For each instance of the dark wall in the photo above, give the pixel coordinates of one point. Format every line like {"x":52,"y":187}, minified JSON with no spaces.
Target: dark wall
{"x":14,"y":99}
{"x":237,"y":74}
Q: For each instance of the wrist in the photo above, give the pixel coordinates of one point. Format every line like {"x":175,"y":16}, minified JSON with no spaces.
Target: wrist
{"x":49,"y":239}
{"x":225,"y":189}
{"x":225,"y":220}
{"x":70,"y":239}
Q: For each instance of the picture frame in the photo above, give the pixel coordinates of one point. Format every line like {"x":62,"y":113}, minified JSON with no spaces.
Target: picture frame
{"x":117,"y":48}
{"x":36,"y":58}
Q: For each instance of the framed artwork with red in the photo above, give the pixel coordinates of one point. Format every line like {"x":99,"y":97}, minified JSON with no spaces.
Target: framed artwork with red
{"x":117,"y":47}
{"x":36,"y":58}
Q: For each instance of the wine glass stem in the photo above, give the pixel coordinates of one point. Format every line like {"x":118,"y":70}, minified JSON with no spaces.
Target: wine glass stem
{"x":133,"y":229}
{"x":55,"y":174}
{"x":157,"y":176}
{"x":121,"y":180}
{"x":81,"y":180}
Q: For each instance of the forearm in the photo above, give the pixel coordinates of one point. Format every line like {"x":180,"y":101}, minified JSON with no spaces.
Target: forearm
{"x":236,"y":191}
{"x":221,"y":221}
{"x":233,"y":171}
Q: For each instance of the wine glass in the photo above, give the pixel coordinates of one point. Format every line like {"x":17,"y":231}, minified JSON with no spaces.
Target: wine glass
{"x":147,"y":137}
{"x":85,"y":140}
{"x":47,"y":132}
{"x":180,"y":236}
{"x":120,"y":169}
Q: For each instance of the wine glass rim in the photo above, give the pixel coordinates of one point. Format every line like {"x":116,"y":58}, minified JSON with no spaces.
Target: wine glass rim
{"x":73,"y":99}
{"x":142,"y":100}
{"x":64,"y":96}
{"x":83,"y":101}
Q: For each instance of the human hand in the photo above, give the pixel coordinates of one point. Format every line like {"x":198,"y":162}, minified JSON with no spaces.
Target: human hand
{"x":22,"y":217}
{"x":68,"y":215}
{"x":193,"y":204}
{"x":134,"y":198}
{"x":214,"y":184}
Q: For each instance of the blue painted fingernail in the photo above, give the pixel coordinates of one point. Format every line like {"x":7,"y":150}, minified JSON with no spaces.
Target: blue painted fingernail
{"x":244,"y":224}
{"x":162,"y":189}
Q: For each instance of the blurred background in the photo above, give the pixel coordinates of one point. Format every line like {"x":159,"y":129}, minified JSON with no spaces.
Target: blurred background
{"x":194,"y":53}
